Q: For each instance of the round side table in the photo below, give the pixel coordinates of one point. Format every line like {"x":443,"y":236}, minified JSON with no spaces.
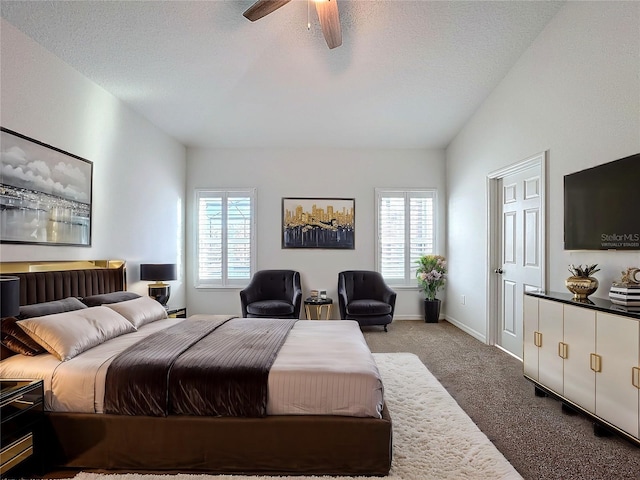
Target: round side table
{"x":317,"y":305}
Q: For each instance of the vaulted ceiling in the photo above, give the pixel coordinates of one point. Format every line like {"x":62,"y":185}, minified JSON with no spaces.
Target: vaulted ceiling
{"x":409,"y":74}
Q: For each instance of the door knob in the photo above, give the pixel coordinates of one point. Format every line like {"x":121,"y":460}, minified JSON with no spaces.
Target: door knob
{"x":499,"y":270}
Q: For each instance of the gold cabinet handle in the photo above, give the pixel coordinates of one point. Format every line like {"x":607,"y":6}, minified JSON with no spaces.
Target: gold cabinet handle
{"x":537,"y":339}
{"x":595,"y":362}
{"x":563,"y":350}
{"x":635,"y":377}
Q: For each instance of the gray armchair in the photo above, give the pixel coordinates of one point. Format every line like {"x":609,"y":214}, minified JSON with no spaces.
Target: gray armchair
{"x":272,"y":294}
{"x":365,"y":297}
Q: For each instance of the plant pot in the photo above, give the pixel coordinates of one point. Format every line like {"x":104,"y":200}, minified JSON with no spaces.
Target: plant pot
{"x":581,"y":287}
{"x":431,"y":311}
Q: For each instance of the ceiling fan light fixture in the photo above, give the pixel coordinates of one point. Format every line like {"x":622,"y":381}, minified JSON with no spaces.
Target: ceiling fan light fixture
{"x":330,"y":22}
{"x":327,"y":13}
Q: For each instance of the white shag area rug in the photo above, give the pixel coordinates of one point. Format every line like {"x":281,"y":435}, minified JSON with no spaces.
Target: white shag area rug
{"x":433,"y":438}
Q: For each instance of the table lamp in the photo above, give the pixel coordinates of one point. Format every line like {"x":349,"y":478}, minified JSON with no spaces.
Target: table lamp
{"x":9,"y":296}
{"x":158,"y":272}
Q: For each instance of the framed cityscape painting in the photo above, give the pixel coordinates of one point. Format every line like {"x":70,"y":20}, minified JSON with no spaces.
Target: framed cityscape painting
{"x":318,"y":223}
{"x":45,"y":193}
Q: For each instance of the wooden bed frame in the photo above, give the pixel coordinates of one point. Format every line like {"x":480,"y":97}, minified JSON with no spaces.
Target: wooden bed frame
{"x":288,"y":444}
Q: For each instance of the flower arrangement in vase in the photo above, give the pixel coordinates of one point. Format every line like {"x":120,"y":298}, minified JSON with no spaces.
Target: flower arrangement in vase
{"x":581,"y":283}
{"x":431,"y":276}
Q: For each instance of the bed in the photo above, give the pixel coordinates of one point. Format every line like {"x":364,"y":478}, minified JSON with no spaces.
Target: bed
{"x":301,"y":430}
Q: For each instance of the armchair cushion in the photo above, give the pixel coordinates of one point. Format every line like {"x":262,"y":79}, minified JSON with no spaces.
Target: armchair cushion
{"x":368,"y":307}
{"x":275,"y":308}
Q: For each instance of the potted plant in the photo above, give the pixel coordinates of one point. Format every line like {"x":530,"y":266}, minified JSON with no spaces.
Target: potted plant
{"x":431,"y":276}
{"x":581,"y":283}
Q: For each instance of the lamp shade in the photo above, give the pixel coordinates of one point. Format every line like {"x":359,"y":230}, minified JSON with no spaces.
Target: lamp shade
{"x":9,"y":296}
{"x":158,"y":271}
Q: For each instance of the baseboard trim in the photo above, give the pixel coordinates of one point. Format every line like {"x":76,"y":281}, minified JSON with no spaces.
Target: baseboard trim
{"x":465,"y":328}
{"x":406,"y":317}
{"x":508,"y":352}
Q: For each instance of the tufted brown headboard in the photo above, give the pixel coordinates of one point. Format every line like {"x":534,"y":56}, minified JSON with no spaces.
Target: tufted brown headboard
{"x":47,"y":281}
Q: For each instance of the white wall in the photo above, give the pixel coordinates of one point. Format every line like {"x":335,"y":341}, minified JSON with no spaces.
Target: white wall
{"x":138,"y":171}
{"x":576,"y":93}
{"x":310,"y":173}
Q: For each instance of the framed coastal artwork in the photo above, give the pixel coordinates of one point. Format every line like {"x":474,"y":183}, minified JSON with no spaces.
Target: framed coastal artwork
{"x":318,"y":223}
{"x":45,"y":193}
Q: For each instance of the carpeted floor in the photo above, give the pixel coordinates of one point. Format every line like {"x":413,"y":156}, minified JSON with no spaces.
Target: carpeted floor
{"x":533,"y":433}
{"x":433,"y":437}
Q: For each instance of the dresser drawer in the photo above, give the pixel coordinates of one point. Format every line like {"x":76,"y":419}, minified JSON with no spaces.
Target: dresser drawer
{"x":16,"y":452}
{"x":17,"y":414}
{"x":17,"y":402}
{"x":16,"y":424}
{"x":21,"y":415}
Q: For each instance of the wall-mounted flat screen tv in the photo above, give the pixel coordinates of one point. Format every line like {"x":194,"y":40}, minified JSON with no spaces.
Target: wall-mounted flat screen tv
{"x":602,"y":207}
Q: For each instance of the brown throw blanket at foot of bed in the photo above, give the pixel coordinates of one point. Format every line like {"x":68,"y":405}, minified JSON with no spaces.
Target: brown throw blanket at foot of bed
{"x":214,"y":368}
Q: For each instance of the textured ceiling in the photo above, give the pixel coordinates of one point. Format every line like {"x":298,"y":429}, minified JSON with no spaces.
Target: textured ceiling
{"x":408,"y":74}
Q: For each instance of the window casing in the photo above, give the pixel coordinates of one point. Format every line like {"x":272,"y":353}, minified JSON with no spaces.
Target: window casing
{"x":406,"y":230}
{"x":225,"y":237}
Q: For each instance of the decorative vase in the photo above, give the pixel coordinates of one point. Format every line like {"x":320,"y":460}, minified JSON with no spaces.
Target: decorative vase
{"x":431,"y":311}
{"x":581,"y":287}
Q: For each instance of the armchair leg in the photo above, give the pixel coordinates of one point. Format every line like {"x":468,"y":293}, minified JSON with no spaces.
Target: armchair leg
{"x":385,"y":328}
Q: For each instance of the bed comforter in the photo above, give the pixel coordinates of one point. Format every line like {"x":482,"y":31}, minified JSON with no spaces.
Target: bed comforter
{"x":322,"y":368}
{"x":214,"y":368}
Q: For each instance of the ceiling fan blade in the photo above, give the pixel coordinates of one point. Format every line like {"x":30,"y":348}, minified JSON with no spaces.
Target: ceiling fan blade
{"x":330,"y":22}
{"x":262,"y":8}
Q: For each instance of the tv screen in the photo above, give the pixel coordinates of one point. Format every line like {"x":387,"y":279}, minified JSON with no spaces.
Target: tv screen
{"x":602,"y":207}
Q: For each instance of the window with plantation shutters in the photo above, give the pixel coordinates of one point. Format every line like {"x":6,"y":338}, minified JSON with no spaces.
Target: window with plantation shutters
{"x":225,"y":237}
{"x":405,"y":232}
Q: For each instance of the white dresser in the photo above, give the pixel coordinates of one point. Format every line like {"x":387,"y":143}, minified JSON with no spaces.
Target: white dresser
{"x":588,"y":355}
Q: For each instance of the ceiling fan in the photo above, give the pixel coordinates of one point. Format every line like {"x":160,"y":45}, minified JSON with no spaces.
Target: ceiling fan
{"x":327,"y":13}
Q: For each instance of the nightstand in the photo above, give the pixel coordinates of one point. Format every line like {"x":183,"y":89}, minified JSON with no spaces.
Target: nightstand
{"x":21,"y":414}
{"x":177,"y":312}
{"x":318,"y":305}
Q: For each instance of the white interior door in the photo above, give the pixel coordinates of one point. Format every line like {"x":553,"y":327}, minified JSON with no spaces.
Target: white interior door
{"x":519,"y":260}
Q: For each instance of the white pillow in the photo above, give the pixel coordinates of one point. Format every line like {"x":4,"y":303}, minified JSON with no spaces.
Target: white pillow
{"x":140,"y":310}
{"x":68,"y":334}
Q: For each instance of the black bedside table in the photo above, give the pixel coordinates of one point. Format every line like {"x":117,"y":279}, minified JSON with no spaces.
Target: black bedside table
{"x":21,"y":414}
{"x":319,"y":304}
{"x":177,"y":312}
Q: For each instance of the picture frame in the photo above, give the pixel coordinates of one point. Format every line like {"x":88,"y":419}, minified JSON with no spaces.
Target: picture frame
{"x":45,"y":193}
{"x":326,"y":223}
